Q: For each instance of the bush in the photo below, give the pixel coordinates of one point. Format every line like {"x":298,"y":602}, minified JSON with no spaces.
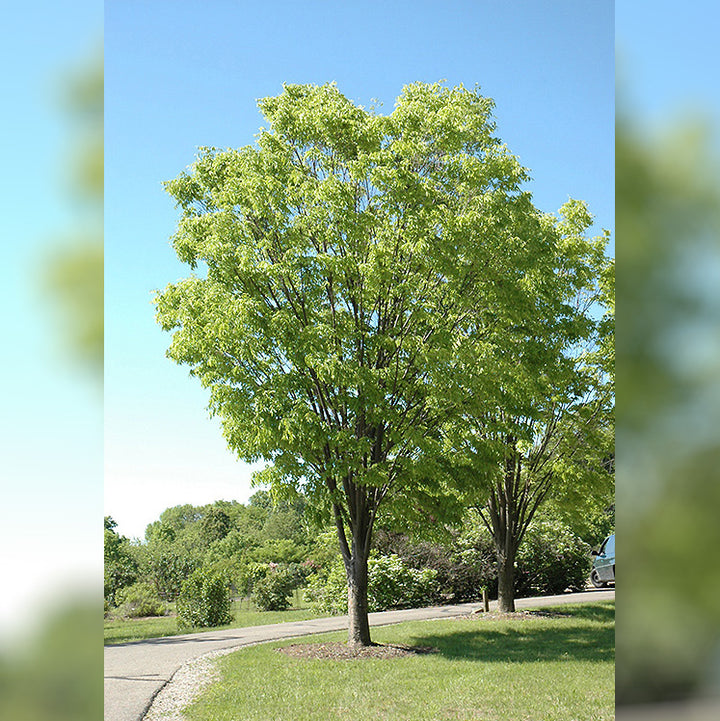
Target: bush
{"x":391,"y":584}
{"x":272,"y":591}
{"x":327,"y":590}
{"x":551,"y":560}
{"x":464,"y":565}
{"x":204,"y":599}
{"x":139,"y":600}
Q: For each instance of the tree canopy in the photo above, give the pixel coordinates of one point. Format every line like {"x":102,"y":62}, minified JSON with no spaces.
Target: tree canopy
{"x":365,"y":283}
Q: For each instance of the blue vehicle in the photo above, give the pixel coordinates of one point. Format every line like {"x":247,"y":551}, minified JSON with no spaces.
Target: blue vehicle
{"x":603,"y":570}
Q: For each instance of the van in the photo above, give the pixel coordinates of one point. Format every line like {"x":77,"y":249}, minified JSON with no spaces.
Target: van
{"x":603,"y":570}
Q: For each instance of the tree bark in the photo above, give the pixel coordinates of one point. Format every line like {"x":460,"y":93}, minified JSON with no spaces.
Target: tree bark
{"x":355,"y":552}
{"x":357,"y":582}
{"x":506,"y":579}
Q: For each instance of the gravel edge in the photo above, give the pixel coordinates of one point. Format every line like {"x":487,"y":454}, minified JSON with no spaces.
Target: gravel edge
{"x":185,"y":686}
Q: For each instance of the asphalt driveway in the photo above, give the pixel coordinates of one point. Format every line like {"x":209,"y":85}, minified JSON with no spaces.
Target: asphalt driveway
{"x":135,"y":672}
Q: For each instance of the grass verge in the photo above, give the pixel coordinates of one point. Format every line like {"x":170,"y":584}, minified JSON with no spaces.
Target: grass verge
{"x":122,"y":630}
{"x":544,"y":668}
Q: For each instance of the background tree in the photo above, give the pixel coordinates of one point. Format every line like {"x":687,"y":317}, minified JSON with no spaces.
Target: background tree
{"x":215,"y":524}
{"x":360,"y":272}
{"x":553,"y":436}
{"x":120,"y":566}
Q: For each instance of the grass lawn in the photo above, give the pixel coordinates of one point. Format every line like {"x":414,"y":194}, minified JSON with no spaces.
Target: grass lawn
{"x":120,"y":630}
{"x":543,"y":668}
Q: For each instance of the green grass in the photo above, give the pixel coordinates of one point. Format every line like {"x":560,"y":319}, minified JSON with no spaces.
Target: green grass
{"x":122,"y":630}
{"x":535,"y":669}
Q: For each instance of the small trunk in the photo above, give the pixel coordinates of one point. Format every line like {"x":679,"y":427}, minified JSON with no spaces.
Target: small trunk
{"x":357,"y":580}
{"x":506,"y":581}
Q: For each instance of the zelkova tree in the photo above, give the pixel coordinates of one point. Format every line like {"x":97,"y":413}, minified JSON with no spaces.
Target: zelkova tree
{"x":362,"y":278}
{"x":550,"y":440}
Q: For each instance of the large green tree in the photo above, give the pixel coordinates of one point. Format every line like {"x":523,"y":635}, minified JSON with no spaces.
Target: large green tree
{"x":363,"y":282}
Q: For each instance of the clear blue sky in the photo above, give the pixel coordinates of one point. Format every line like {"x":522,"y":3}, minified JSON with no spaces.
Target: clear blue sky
{"x":184,"y":74}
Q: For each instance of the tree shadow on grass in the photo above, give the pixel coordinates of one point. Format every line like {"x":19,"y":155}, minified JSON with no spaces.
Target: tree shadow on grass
{"x":526,"y":643}
{"x":597,"y":613}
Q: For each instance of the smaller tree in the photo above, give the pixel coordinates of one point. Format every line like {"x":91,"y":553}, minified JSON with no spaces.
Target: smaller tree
{"x":169,"y":565}
{"x":121,"y":568}
{"x":215,"y":524}
{"x":553,"y":432}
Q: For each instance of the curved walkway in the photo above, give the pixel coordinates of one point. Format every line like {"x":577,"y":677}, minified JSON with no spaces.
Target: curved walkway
{"x":135,"y":672}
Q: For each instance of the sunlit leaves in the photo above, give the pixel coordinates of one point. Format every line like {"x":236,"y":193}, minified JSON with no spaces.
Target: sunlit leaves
{"x":367,"y":282}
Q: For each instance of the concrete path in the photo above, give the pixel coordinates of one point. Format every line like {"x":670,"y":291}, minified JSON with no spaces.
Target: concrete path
{"x":135,"y":672}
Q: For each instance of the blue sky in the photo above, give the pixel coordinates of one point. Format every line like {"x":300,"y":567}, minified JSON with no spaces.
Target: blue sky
{"x":185,"y":74}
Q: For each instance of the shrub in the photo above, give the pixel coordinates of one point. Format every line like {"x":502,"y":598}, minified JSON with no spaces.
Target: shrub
{"x":250,"y":573}
{"x":204,"y":599}
{"x":464,"y":565}
{"x":139,"y":600}
{"x":551,"y":560}
{"x":391,"y":584}
{"x":327,"y":590}
{"x":272,"y":591}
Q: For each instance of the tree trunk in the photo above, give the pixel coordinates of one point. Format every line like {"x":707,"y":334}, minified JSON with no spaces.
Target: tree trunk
{"x":355,"y":552}
{"x":357,"y":581}
{"x":506,"y":580}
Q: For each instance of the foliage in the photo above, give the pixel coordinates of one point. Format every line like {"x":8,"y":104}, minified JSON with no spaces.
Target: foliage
{"x":391,"y":584}
{"x":593,"y":527}
{"x":139,"y":600}
{"x":272,"y":591}
{"x":278,"y":550}
{"x":172,"y":522}
{"x":324,"y":552}
{"x":231,"y":547}
{"x":250,"y":573}
{"x":395,"y":585}
{"x":169,"y":566}
{"x":372,"y":281}
{"x":215,"y":524}
{"x":464,"y":564}
{"x":284,"y":525}
{"x":204,"y":600}
{"x":326,"y":592}
{"x":120,"y":568}
{"x":551,"y":560}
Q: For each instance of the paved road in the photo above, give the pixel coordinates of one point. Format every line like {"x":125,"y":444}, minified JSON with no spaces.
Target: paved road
{"x":135,"y":672}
